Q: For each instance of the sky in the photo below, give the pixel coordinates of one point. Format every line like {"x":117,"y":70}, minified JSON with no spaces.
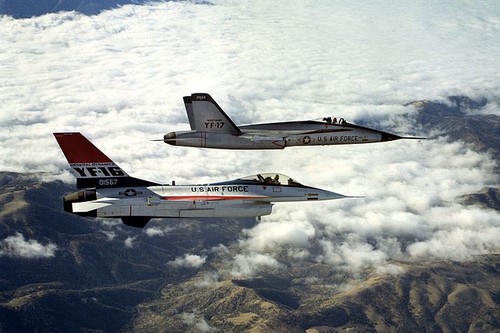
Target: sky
{"x":119,"y":77}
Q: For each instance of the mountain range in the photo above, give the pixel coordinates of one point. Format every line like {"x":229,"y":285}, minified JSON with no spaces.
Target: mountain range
{"x":30,"y":8}
{"x":61,"y":272}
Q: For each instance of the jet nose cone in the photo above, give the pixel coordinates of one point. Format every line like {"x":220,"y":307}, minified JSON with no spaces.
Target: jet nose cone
{"x":319,"y":194}
{"x":170,"y":138}
{"x":328,"y":195}
{"x":389,"y":137}
{"x":332,"y":196}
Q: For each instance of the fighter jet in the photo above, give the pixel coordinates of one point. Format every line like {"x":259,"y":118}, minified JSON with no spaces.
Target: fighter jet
{"x":108,"y":191}
{"x":212,"y":128}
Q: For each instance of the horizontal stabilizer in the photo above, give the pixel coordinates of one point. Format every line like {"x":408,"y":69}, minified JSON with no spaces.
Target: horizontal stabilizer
{"x":87,"y":206}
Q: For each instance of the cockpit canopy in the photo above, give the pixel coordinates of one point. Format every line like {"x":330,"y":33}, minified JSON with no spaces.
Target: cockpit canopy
{"x":334,"y":120}
{"x":272,"y":179}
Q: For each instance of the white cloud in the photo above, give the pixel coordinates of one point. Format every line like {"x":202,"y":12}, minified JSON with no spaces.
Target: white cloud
{"x":390,"y":269}
{"x":188,"y":260}
{"x":157,"y":231}
{"x":201,"y":325}
{"x":456,"y":244}
{"x":250,"y":263}
{"x":351,"y":255}
{"x":119,"y":77}
{"x":110,"y":235}
{"x":268,"y":235}
{"x":129,"y":242}
{"x":18,"y":247}
{"x":208,"y":280}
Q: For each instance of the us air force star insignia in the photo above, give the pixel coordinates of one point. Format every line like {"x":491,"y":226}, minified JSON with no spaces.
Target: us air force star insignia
{"x":306,"y":140}
{"x":130,"y":193}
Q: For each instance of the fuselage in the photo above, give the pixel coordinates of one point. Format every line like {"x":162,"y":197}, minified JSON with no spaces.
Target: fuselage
{"x":245,"y":197}
{"x":280,"y":135}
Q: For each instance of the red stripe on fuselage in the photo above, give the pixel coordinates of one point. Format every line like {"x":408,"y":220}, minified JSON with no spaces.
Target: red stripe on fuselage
{"x":208,"y":198}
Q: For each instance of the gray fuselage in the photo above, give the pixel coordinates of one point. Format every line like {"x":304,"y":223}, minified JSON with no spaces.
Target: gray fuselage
{"x":281,"y":135}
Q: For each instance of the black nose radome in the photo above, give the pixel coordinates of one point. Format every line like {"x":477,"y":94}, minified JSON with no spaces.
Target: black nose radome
{"x":389,"y":137}
{"x":169,"y":138}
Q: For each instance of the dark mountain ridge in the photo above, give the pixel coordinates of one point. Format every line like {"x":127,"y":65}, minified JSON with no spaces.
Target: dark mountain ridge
{"x":29,"y":8}
{"x":20,"y":9}
{"x":461,"y":119}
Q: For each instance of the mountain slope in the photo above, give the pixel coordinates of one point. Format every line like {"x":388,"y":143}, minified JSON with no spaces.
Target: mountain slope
{"x":461,"y":119}
{"x":30,"y":8}
{"x":439,"y":297}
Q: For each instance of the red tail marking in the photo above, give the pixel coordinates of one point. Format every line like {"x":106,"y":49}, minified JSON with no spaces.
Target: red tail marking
{"x":78,"y":149}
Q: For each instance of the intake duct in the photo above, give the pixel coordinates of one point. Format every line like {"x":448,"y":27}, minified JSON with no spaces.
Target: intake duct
{"x":80,"y":196}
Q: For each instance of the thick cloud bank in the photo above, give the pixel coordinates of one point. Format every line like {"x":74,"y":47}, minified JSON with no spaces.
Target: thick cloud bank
{"x":119,"y":77}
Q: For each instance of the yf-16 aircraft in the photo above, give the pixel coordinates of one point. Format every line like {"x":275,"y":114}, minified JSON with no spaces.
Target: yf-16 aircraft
{"x":108,"y":191}
{"x":212,"y":128}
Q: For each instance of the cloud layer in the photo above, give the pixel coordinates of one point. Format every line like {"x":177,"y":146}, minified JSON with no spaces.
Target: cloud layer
{"x":119,"y":77}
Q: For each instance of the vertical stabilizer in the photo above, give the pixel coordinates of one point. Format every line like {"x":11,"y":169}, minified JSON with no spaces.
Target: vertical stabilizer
{"x":207,"y":116}
{"x":91,"y":167}
{"x":188,"y":103}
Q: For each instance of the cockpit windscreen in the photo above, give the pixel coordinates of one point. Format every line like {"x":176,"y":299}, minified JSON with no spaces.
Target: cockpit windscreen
{"x":272,"y":179}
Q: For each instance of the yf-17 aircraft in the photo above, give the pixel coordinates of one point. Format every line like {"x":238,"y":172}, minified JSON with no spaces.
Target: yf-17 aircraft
{"x":108,"y":191}
{"x":212,"y":128}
